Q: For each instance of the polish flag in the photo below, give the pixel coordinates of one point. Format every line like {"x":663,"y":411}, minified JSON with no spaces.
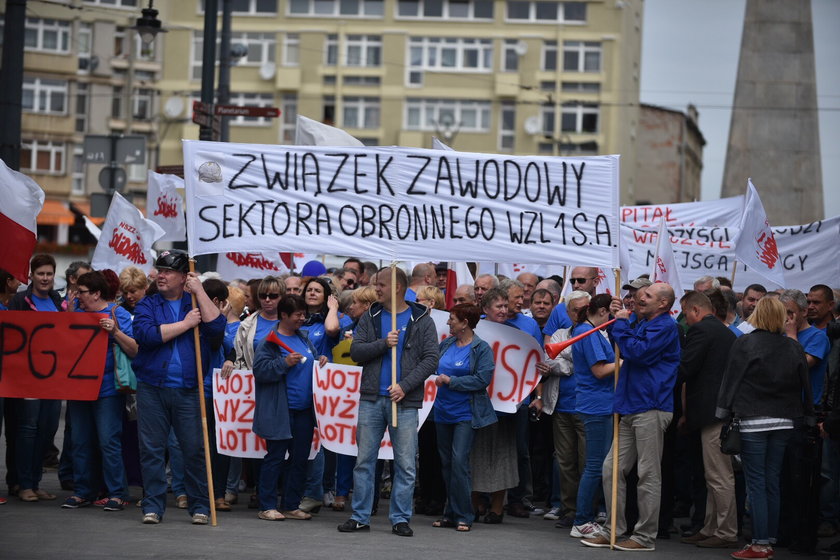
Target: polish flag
{"x":21,"y":200}
{"x":457,"y":273}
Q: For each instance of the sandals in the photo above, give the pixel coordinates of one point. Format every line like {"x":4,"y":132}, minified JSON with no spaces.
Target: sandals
{"x":28,"y":495}
{"x":463,"y":527}
{"x":297,"y":514}
{"x":44,"y":495}
{"x":444,"y":523}
{"x":339,"y":503}
{"x":271,"y":515}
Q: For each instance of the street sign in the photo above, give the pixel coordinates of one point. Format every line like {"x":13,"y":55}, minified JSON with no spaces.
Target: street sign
{"x":208,"y":121}
{"x":246,"y":111}
{"x":129,"y":149}
{"x":204,"y":108}
{"x":106,"y":181}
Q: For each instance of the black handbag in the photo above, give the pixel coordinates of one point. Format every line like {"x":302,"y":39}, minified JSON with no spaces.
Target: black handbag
{"x":730,"y":437}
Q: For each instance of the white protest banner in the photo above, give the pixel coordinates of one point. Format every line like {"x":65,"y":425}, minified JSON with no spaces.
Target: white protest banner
{"x":725,"y":212}
{"x":397,"y":202}
{"x":335,"y":389}
{"x":165,"y":205}
{"x":246,"y":266}
{"x":515,"y":354}
{"x":233,"y":407}
{"x":126,"y":239}
{"x":755,"y":245}
{"x":807,"y":254}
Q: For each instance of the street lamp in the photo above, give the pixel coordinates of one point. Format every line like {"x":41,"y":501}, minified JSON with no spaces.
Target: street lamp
{"x":148,"y":25}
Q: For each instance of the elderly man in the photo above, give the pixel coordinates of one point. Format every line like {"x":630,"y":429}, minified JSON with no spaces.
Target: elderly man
{"x":629,"y":299}
{"x":553,"y":288}
{"x":529,"y":282}
{"x":542,"y":303}
{"x":706,"y":283}
{"x":583,"y":278}
{"x":644,"y":399}
{"x":465,"y":293}
{"x":294,"y":285}
{"x":167,"y":383}
{"x":483,"y":283}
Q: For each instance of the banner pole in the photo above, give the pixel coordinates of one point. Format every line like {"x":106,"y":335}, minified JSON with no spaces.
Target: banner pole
{"x":734,"y":269}
{"x":614,"y":483}
{"x":393,"y":328}
{"x":565,"y":283}
{"x":203,"y":408}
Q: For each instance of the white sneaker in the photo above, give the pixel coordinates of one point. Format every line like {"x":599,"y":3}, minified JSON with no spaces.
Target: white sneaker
{"x":585,"y":531}
{"x":200,"y":519}
{"x":553,"y":514}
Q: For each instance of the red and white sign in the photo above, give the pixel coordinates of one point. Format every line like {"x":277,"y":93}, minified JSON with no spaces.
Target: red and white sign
{"x":246,"y":266}
{"x":126,"y":239}
{"x":166,"y":206}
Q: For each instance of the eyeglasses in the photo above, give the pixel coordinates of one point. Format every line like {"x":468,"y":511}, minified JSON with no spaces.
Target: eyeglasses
{"x":350,"y":283}
{"x":82,"y":291}
{"x":268,"y":296}
{"x":579,"y":280}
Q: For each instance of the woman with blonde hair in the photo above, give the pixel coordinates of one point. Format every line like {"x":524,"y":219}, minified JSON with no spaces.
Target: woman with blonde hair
{"x":766,"y":386}
{"x":133,"y":284}
{"x":431,"y":297}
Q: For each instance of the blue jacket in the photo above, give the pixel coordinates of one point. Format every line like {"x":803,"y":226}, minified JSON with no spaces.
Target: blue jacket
{"x":271,"y":410}
{"x":152,"y":360}
{"x":481,"y":374}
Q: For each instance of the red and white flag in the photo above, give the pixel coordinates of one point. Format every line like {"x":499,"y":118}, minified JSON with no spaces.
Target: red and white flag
{"x":165,"y":206}
{"x":664,"y":267}
{"x":21,"y":200}
{"x":754,"y":243}
{"x":246,"y":266}
{"x":126,"y":239}
{"x":457,"y":273}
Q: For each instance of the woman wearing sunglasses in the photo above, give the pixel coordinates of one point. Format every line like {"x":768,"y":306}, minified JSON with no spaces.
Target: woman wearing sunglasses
{"x":256,"y":327}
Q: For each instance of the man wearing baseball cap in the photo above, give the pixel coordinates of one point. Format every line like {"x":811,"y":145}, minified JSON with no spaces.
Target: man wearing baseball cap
{"x":629,"y":299}
{"x":167,"y":384}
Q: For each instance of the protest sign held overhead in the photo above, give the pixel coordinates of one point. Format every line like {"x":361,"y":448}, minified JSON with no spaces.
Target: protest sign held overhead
{"x":166,"y":207}
{"x":388,"y":202}
{"x":51,"y":355}
{"x":126,"y":239}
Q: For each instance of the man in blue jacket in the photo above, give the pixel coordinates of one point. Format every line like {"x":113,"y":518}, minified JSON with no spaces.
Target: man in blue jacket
{"x":167,"y":383}
{"x":644,"y":398}
{"x":417,"y":358}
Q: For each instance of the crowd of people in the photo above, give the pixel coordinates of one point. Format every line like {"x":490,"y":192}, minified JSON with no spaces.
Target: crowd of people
{"x":762,"y":363}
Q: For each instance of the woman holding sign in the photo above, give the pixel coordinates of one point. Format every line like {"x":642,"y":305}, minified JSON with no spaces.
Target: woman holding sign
{"x":462,"y":406}
{"x":97,"y":425}
{"x":284,"y":414}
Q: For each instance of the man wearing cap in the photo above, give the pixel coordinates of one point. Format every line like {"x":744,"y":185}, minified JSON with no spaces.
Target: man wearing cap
{"x":629,"y":300}
{"x":167,"y":384}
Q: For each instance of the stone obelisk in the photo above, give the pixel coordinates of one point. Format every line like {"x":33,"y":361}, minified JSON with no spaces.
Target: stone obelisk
{"x":774,"y":134}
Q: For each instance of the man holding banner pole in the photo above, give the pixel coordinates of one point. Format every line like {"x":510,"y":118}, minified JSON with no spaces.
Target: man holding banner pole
{"x":415,"y":340}
{"x":644,"y":399}
{"x":167,"y":388}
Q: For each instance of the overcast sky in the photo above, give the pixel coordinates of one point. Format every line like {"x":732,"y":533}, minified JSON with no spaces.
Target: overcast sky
{"x":690,"y":54}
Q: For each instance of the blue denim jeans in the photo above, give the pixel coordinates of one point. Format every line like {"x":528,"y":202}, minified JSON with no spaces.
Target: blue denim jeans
{"x":454,"y":442}
{"x":374,"y":418}
{"x":598,"y":431}
{"x":65,"y":464}
{"x":344,"y":474}
{"x":234,"y":475}
{"x":159,"y":410}
{"x":762,"y":455}
{"x":303,"y":428}
{"x":273,"y":465}
{"x":38,"y":425}
{"x":176,"y":465}
{"x":314,"y":487}
{"x":98,"y":424}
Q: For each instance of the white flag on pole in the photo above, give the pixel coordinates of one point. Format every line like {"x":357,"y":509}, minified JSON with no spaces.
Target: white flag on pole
{"x":755,"y":245}
{"x":127,"y":238}
{"x":165,"y":206}
{"x":664,"y":267}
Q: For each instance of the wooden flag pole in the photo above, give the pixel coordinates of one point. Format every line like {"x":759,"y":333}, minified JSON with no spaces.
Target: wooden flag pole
{"x":614,"y":483}
{"x":203,"y":407}
{"x":565,"y":283}
{"x":734,"y":268}
{"x":393,"y":328}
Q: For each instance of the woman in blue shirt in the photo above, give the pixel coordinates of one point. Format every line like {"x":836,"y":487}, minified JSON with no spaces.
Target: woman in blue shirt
{"x":99,"y":423}
{"x":594,"y":361}
{"x":284,"y":415}
{"x":322,"y":324}
{"x":462,"y":406}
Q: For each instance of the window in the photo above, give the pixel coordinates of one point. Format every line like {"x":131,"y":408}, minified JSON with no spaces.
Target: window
{"x":120,"y":46}
{"x":547,"y":114}
{"x":78,"y":185}
{"x":337,"y":8}
{"x":548,"y":86}
{"x":260,"y":47}
{"x":329,"y":110}
{"x":361,"y":112}
{"x":37,"y":156}
{"x":81,"y":106}
{"x":291,"y":49}
{"x":579,"y":149}
{"x":546,"y":12}
{"x":330,"y":80}
{"x":433,"y":114}
{"x":549,"y":56}
{"x":288,"y":118}
{"x":363,"y":50}
{"x":47,"y":35}
{"x":248,"y":7}
{"x":581,"y":87}
{"x":41,"y":95}
{"x":449,"y":9}
{"x":510,"y":56}
{"x":114,"y":3}
{"x":365,"y":81}
{"x":142,"y":100}
{"x":116,"y":102}
{"x":448,"y":54}
{"x":254,"y":100}
{"x":579,"y":117}
{"x":84,"y":42}
{"x":581,"y":56}
{"x":331,"y":50}
{"x":507,"y":126}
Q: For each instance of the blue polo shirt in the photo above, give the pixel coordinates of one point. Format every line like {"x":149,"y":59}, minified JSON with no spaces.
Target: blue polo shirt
{"x":527,"y":325}
{"x":264,"y":326}
{"x":651,"y":353}
{"x":559,"y":319}
{"x":174,"y":369}
{"x":815,"y":342}
{"x":451,"y":406}
{"x":385,"y":324}
{"x":593,"y":396}
{"x":298,"y":378}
